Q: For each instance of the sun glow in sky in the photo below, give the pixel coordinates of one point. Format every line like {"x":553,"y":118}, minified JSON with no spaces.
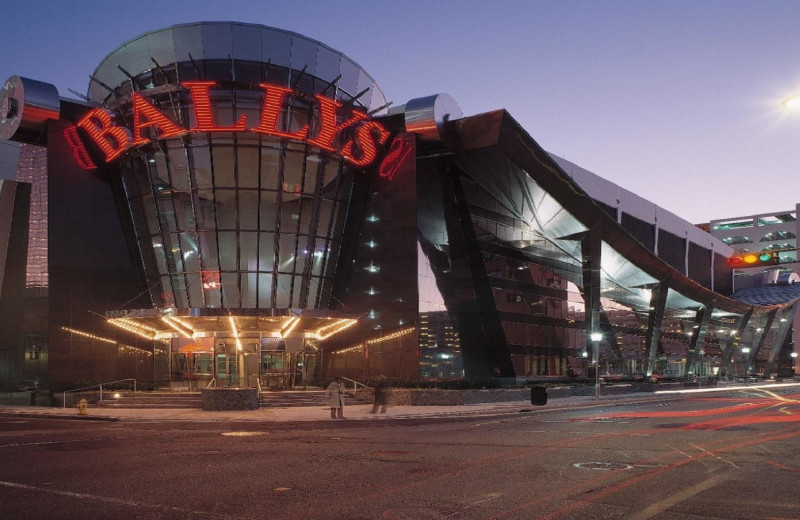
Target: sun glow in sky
{"x":683,"y":102}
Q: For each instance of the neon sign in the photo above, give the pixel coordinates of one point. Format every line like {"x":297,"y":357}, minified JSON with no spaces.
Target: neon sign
{"x":357,"y":139}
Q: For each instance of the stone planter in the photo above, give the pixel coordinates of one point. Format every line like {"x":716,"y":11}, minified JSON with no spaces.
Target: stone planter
{"x":220,"y":399}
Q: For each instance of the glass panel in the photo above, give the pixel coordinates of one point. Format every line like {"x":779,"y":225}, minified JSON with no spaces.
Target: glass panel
{"x":204,"y":206}
{"x":223,"y":166}
{"x":166,"y":213}
{"x":247,"y":251}
{"x":293,"y":174}
{"x":269,"y":210}
{"x":230,"y":290}
{"x":313,"y":290}
{"x":172,"y":250}
{"x":287,"y":253}
{"x":313,"y":167}
{"x":195,"y":290}
{"x":184,"y":212}
{"x":225,"y":208}
{"x":201,"y":157}
{"x":190,"y":249}
{"x":249,"y":289}
{"x":148,"y":204}
{"x":158,"y":254}
{"x":227,"y":250}
{"x":266,"y":252}
{"x":248,"y":209}
{"x":248,"y":166}
{"x":264,"y":290}
{"x":179,"y":166}
{"x":304,"y":54}
{"x":296,"y":292}
{"x":270,"y":160}
{"x":302,"y":254}
{"x":284,"y":287}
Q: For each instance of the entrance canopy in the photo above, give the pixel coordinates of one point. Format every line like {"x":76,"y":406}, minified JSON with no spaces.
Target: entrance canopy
{"x":166,"y":324}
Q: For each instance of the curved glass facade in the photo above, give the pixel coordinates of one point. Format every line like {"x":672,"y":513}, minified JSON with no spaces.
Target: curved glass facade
{"x":235,"y":219}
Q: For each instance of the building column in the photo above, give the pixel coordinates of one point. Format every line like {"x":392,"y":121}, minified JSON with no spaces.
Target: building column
{"x":784,"y":325}
{"x":658,"y":303}
{"x":591,"y":247}
{"x":758,"y":341}
{"x":694,"y":353}
{"x":733,"y":341}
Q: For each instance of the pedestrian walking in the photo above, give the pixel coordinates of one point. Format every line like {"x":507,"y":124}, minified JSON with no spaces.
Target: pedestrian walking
{"x":381,"y":395}
{"x":334,"y":395}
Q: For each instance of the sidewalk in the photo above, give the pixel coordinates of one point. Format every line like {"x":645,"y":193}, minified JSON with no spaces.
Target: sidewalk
{"x":358,"y":412}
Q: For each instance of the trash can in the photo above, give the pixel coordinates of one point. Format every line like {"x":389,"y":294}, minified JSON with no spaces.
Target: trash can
{"x":538,"y":395}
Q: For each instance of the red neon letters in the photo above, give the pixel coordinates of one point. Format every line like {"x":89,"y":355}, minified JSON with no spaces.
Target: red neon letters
{"x":359,"y":147}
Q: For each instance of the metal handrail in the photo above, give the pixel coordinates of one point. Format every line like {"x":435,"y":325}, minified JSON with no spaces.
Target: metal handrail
{"x":355,"y":384}
{"x":98,"y":386}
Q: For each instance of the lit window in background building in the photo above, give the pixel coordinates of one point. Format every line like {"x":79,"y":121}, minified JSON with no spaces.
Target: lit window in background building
{"x":33,"y":170}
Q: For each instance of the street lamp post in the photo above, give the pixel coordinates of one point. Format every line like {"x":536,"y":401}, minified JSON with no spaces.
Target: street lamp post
{"x":596,"y":337}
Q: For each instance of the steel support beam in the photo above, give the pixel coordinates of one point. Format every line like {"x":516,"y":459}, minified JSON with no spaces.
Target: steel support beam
{"x":784,"y":325}
{"x":658,"y":303}
{"x":733,"y":341}
{"x":591,"y":247}
{"x":758,"y":341}
{"x":695,"y":351}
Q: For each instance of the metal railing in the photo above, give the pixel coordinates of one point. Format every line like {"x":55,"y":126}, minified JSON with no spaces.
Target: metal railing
{"x":356,"y":384}
{"x":13,"y":385}
{"x":100,"y":386}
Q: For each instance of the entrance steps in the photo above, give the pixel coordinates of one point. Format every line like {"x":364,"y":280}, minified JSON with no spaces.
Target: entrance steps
{"x":268,"y":399}
{"x":288,"y":398}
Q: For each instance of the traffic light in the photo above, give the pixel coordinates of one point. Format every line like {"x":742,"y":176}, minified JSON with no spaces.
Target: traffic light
{"x":757,"y":259}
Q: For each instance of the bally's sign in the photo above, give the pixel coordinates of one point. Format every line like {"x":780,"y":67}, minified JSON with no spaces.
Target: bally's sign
{"x":357,"y":139}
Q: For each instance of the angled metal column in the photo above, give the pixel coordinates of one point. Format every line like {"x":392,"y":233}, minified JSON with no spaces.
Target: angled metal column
{"x":590,"y":253}
{"x":695,"y":351}
{"x":733,"y":341}
{"x":591,"y":246}
{"x":658,"y":302}
{"x":784,"y":325}
{"x":758,"y":340}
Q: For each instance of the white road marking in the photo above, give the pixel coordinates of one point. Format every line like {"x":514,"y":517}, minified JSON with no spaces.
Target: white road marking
{"x":119,"y":501}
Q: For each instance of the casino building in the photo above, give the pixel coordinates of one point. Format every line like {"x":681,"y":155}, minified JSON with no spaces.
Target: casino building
{"x":237,"y":205}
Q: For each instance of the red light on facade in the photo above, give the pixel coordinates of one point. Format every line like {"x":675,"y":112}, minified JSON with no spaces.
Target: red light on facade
{"x":211,"y":279}
{"x":368,"y":147}
{"x":201,"y":98}
{"x":146,"y":115}
{"x":111,"y":139}
{"x":271,"y":111}
{"x":359,"y":147}
{"x":398,"y":152}
{"x":79,"y":152}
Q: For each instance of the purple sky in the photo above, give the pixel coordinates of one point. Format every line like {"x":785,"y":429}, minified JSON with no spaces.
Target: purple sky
{"x":678,"y":101}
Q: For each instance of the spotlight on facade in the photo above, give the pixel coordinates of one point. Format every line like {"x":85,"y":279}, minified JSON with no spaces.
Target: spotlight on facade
{"x":745,"y":350}
{"x":793,"y":354}
{"x":596,"y":336}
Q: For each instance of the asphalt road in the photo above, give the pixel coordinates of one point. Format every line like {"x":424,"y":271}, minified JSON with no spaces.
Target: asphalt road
{"x":722,"y":456}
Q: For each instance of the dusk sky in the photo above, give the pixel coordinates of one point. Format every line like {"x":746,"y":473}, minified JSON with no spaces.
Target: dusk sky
{"x":678,"y":101}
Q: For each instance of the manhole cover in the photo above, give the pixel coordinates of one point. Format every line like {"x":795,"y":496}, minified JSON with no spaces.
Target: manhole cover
{"x":604,"y":466}
{"x":242,"y":434}
{"x":423,"y":513}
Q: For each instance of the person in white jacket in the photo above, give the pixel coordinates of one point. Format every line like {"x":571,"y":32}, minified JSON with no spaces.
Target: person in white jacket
{"x":334,"y":395}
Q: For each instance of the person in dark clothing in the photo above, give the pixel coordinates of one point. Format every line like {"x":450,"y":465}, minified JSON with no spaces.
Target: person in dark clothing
{"x":381,"y":395}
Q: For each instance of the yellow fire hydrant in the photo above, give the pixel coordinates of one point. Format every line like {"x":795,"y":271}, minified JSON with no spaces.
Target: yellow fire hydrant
{"x":83,"y":407}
